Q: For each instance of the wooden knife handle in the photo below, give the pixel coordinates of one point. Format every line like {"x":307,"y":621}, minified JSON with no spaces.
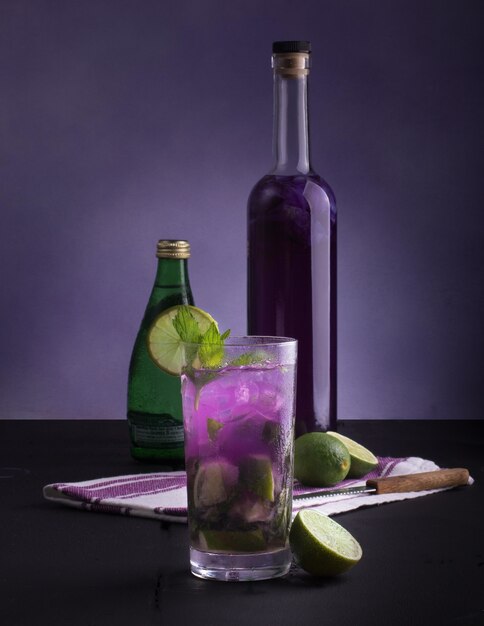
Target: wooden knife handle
{"x":420,"y":482}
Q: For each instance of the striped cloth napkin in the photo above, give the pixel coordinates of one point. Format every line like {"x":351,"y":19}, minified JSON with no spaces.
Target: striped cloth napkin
{"x":162,"y":495}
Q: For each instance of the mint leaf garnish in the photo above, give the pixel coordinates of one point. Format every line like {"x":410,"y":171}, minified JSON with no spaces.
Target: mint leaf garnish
{"x":249,"y":358}
{"x":211,"y":349}
{"x":209,"y":346}
{"x":225,"y":335}
{"x":211,"y":336}
{"x":186,"y":325}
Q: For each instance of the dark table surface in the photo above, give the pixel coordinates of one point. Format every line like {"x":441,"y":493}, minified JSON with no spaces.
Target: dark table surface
{"x":423,"y":559}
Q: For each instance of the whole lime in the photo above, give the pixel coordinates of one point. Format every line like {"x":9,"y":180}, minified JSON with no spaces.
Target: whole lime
{"x":320,"y":460}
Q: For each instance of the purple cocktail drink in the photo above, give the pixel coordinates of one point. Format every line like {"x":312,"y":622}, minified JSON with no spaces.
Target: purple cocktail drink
{"x":239,"y":430}
{"x":292,"y":284}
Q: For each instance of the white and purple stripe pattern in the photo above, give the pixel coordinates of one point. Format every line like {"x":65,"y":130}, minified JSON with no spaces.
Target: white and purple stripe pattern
{"x":162,"y":495}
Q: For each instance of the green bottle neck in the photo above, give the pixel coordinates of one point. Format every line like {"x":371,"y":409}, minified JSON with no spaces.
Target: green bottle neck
{"x":172,"y":273}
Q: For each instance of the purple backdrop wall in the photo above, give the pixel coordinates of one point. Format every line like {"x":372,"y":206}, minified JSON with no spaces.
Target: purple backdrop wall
{"x":123,"y":122}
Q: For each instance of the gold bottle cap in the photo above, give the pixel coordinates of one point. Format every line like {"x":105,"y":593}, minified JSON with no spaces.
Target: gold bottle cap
{"x":173,"y":249}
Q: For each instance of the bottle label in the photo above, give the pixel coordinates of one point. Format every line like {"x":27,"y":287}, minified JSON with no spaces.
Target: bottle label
{"x":155,"y":431}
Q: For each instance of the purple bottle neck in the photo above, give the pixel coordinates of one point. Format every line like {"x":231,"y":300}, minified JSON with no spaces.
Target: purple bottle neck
{"x":291,"y":128}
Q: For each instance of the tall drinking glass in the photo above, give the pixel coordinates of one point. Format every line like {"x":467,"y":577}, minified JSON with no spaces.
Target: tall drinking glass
{"x":238,"y":410}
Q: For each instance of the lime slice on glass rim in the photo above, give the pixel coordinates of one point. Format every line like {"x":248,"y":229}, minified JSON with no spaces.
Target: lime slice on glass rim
{"x":321,"y":546}
{"x":362,"y":460}
{"x":165,"y":345}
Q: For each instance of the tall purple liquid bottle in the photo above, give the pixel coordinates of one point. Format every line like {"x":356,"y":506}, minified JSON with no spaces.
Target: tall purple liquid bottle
{"x":292,"y":247}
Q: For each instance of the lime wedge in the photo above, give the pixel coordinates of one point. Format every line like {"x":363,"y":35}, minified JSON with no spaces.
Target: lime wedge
{"x":164,"y":343}
{"x":362,"y":460}
{"x":321,"y":546}
{"x":232,"y":540}
{"x":209,"y":487}
{"x":213,"y":483}
{"x":256,"y":475}
{"x":213,"y":426}
{"x":251,"y":509}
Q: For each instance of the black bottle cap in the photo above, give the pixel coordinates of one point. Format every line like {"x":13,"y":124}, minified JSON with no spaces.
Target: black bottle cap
{"x":291,"y":46}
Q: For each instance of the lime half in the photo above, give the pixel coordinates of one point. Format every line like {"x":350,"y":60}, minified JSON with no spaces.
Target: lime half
{"x":164,"y":343}
{"x":321,"y":546}
{"x":362,"y":460}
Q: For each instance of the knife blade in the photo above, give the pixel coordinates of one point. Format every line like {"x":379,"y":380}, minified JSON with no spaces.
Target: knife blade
{"x":423,"y":481}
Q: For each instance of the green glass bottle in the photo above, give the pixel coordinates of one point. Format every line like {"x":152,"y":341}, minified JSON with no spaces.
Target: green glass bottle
{"x":154,"y":401}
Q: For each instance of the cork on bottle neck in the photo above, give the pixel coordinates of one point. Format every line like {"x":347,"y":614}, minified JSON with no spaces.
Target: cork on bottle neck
{"x":291,"y":64}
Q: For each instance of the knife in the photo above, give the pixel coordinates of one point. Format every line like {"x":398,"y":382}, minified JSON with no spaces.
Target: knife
{"x":398,"y":484}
